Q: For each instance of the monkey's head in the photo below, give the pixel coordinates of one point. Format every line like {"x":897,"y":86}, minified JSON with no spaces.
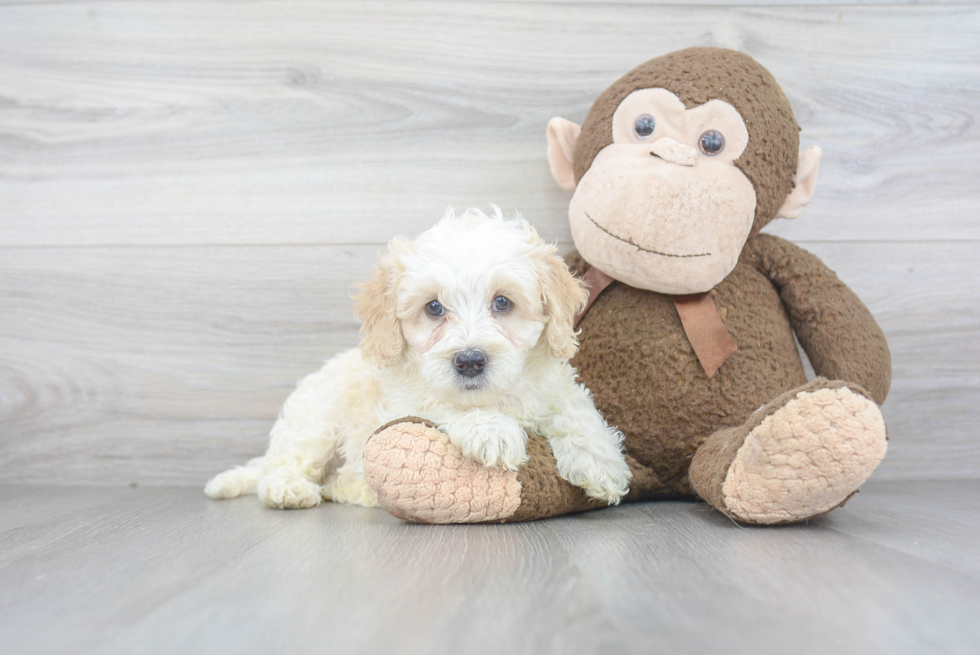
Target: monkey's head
{"x":677,"y":164}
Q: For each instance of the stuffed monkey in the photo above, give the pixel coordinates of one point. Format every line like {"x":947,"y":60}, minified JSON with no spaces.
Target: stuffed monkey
{"x":688,"y":340}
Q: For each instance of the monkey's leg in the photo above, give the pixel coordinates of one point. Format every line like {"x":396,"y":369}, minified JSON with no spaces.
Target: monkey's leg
{"x":803,"y":454}
{"x":418,"y":475}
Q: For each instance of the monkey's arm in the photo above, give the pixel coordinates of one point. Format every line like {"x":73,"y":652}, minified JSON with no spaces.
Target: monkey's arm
{"x":837,"y":331}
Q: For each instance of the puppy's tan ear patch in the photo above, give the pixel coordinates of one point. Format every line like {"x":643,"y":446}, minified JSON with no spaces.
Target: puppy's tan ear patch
{"x":382,"y":341}
{"x":564,"y":297}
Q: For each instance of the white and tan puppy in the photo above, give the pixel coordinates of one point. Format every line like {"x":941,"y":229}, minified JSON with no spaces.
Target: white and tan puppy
{"x":468,"y":326}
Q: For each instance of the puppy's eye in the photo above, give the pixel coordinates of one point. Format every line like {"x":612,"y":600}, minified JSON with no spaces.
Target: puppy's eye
{"x":644,"y":126}
{"x":711,"y":143}
{"x":502,"y":304}
{"x":435,"y":309}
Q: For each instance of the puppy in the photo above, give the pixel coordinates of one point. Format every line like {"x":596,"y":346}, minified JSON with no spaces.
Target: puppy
{"x":468,"y":326}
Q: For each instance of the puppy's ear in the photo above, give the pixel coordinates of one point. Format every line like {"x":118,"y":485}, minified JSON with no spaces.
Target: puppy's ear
{"x":564,"y":297}
{"x":382,"y":341}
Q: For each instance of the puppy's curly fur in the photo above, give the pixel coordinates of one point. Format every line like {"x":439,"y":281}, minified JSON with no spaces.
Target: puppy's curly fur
{"x":428,"y":301}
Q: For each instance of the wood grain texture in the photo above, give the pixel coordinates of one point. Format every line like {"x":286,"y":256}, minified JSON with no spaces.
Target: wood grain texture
{"x":166,"y":365}
{"x":338,"y":122}
{"x":189,"y":189}
{"x":95,"y":570}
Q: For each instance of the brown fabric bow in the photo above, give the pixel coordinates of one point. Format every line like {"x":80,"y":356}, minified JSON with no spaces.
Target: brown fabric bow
{"x":704,"y":329}
{"x":699,"y":315}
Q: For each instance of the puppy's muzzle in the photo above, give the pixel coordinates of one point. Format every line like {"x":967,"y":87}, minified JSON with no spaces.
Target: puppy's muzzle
{"x":470,"y":363}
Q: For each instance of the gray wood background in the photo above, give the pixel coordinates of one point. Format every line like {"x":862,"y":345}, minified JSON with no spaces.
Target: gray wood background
{"x":188,"y":190}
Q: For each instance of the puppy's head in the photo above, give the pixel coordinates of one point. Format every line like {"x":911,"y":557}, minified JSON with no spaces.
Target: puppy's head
{"x":473,"y":303}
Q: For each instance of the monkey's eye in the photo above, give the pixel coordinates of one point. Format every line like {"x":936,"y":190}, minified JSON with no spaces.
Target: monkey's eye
{"x":502,"y":304}
{"x":644,"y":126}
{"x":711,"y":143}
{"x":435,"y":309}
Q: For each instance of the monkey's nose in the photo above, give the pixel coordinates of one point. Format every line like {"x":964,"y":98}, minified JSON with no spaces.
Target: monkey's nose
{"x":470,"y":363}
{"x":674,"y":152}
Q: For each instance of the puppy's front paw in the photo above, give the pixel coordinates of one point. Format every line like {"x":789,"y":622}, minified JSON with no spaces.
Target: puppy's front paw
{"x":492,"y":440}
{"x":601,"y":471}
{"x":285,"y":491}
{"x":609,"y":483}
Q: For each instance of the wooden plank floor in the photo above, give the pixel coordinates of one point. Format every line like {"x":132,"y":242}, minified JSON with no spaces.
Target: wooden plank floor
{"x":166,"y":570}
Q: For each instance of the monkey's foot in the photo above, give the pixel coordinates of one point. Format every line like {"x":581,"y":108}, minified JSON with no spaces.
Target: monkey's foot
{"x":419,"y":476}
{"x":801,"y":455}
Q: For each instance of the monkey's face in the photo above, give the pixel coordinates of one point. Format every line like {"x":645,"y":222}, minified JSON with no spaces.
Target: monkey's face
{"x":664,"y":207}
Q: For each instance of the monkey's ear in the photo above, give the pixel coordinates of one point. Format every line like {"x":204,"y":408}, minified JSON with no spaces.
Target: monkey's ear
{"x":562,"y":137}
{"x":805,"y":182}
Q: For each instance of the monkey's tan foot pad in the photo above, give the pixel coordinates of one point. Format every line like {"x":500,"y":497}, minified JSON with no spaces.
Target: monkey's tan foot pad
{"x":805,"y":458}
{"x":803,"y":454}
{"x":419,"y":476}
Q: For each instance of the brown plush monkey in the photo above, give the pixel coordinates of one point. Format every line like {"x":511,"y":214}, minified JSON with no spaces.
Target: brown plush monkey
{"x":687,"y":344}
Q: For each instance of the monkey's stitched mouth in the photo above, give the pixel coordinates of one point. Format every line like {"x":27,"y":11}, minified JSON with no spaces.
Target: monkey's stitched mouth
{"x":640,"y":248}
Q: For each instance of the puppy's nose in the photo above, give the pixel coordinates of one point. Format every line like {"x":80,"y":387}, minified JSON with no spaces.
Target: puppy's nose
{"x":471,"y":362}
